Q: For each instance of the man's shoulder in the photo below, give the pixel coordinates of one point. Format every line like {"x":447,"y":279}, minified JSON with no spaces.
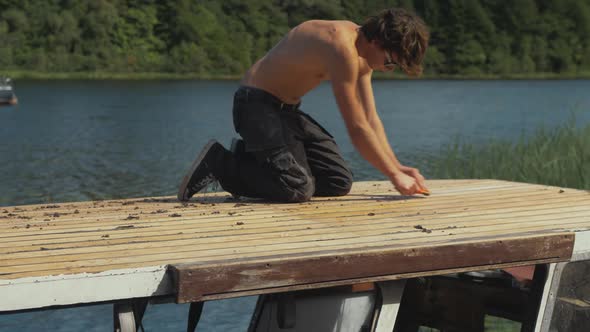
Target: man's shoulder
{"x":337,"y":31}
{"x":330,"y":22}
{"x":341,"y":38}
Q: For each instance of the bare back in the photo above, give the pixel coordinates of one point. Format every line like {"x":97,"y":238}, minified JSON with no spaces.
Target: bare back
{"x":297,"y":64}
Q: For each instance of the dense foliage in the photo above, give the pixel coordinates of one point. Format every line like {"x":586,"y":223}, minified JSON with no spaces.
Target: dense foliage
{"x":223,"y":37}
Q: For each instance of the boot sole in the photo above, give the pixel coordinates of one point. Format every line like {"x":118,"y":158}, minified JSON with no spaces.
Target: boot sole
{"x":195,"y":164}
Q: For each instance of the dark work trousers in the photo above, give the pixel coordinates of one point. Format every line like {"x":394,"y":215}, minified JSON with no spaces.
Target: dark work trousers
{"x":287,"y":156}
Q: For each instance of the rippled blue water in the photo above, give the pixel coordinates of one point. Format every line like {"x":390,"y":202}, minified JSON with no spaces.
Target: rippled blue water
{"x":83,"y":140}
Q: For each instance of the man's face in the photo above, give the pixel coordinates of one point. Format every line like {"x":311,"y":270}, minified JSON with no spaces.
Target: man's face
{"x":389,"y":64}
{"x":383,"y":60}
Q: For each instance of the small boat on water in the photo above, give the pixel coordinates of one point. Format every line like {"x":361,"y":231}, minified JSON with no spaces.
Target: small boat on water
{"x":7,"y":96}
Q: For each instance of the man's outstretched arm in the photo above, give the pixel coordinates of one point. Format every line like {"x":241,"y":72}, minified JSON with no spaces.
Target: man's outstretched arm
{"x":365,"y":94}
{"x":343,"y":69}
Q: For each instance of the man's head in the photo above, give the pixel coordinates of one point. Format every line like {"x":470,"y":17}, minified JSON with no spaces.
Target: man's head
{"x":401,"y":36}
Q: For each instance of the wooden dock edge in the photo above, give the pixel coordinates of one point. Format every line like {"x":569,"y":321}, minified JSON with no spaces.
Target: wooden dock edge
{"x":83,"y":288}
{"x":220,"y":280}
{"x":581,"y":246}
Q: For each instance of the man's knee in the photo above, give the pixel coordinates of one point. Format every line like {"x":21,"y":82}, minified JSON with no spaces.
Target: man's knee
{"x":345,"y":188}
{"x":296,"y":184}
{"x":339,"y":185}
{"x":301,"y":194}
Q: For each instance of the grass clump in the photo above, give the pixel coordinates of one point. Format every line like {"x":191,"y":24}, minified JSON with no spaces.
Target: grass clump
{"x":558,"y":157}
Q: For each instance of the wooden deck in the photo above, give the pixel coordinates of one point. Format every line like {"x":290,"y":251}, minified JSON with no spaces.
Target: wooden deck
{"x":217,"y":247}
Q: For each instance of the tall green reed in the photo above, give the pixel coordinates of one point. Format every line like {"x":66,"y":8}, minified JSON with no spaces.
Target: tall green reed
{"x":558,"y":157}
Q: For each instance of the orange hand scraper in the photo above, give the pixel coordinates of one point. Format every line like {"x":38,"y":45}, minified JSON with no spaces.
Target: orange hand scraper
{"x":424,"y":192}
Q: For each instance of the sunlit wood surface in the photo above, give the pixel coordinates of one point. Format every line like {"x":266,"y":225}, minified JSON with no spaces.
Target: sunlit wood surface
{"x":70,"y":238}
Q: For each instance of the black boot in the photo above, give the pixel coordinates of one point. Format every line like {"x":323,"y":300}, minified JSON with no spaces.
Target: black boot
{"x":201,"y":173}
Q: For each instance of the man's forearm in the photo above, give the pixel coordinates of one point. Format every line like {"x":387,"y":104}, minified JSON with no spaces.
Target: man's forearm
{"x":368,"y":143}
{"x":379,"y":130}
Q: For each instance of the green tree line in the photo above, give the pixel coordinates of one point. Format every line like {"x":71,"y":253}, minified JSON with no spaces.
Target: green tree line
{"x":215,"y":37}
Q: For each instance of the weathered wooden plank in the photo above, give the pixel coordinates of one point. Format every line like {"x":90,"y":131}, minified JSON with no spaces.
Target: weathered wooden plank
{"x":81,"y":239}
{"x":194,"y":281}
{"x":103,"y":218}
{"x":345,"y":282}
{"x":382,"y":210}
{"x":190,"y":256}
{"x":353,"y":233}
{"x":468,"y":222}
{"x":121,"y":212}
{"x":297,"y":219}
{"x":330,"y":221}
{"x":38,"y":292}
{"x":348,"y":234}
{"x":208,"y":246}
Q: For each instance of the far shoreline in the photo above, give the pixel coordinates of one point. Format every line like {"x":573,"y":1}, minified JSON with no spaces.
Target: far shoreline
{"x":35,"y":75}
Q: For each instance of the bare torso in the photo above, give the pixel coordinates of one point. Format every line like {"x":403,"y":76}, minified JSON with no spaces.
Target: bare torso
{"x":298,"y":63}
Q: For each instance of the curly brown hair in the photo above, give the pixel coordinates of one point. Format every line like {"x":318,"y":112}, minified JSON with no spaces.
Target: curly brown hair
{"x":401,"y":32}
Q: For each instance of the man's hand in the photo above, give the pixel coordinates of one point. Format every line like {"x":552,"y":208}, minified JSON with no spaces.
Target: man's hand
{"x":415,"y":173}
{"x":405,"y":184}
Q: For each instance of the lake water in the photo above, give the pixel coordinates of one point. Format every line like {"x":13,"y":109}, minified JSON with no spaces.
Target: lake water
{"x":85,"y":140}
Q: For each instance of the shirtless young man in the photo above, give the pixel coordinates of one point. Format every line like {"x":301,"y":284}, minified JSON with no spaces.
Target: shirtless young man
{"x":285,"y":155}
